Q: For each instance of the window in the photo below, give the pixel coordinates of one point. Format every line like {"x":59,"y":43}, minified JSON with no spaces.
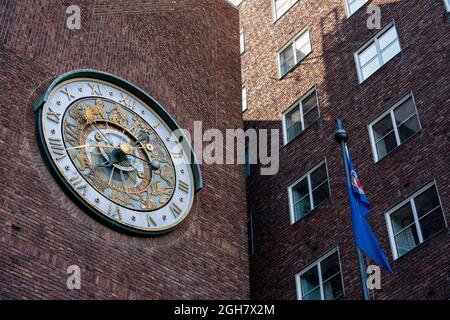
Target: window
{"x":300,"y":115}
{"x":281,"y":6}
{"x":308,"y":192}
{"x":447,"y":5}
{"x":394,"y":127}
{"x":322,"y":280}
{"x":415,"y":220}
{"x":352,"y":6}
{"x":244,"y":98}
{"x":242,"y":41}
{"x":377,"y":52}
{"x":246,"y":160}
{"x":294,"y":52}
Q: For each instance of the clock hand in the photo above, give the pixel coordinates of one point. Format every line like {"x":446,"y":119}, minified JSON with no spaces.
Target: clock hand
{"x":107,"y":140}
{"x":92,"y":145}
{"x":155,"y":164}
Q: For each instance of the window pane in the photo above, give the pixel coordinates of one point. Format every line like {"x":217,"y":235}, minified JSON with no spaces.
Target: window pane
{"x":287,"y":59}
{"x":318,"y":176}
{"x":386,"y":145}
{"x":408,"y":128}
{"x":300,"y":190}
{"x":309,"y":280}
{"x":293,"y":116}
{"x":404,"y":111}
{"x":330,"y":266}
{"x":313,"y":295}
{"x":432,"y":223}
{"x":321,"y":194}
{"x":382,"y":127}
{"x":302,"y":46}
{"x":402,"y":218}
{"x":387,"y":38}
{"x":368,"y":54}
{"x":370,"y":68}
{"x":332,"y":289}
{"x":281,"y":7}
{"x":426,"y":201}
{"x":311,"y":116}
{"x":390,"y":51}
{"x":301,"y":208}
{"x":242,"y":41}
{"x":294,"y":130}
{"x":309,"y":102}
{"x":244,"y":98}
{"x":406,"y":240}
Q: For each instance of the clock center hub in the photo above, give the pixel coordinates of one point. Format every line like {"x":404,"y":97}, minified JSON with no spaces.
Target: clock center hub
{"x":125,"y":148}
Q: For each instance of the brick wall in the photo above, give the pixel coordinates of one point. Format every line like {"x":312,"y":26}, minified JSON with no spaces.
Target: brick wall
{"x":186,"y":55}
{"x":282,"y":249}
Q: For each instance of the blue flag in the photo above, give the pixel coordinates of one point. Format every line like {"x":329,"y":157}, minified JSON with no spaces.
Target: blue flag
{"x":359,"y":206}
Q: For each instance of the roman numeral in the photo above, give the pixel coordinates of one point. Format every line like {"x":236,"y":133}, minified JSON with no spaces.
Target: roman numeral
{"x":53,"y":116}
{"x":71,"y":134}
{"x":127,"y":100}
{"x":115,"y":213}
{"x":177,"y":154}
{"x":150,"y":221}
{"x":183,"y":186}
{"x":95,"y":89}
{"x":175,"y":210}
{"x":68,"y":93}
{"x":57,"y":148}
{"x":77,"y":182}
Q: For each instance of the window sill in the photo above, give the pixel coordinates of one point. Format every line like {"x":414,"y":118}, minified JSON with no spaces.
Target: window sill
{"x":312,"y":212}
{"x":421,"y":245}
{"x":357,"y":10}
{"x":300,"y":134}
{"x":293,"y":67}
{"x":276,"y":19}
{"x":398,"y":147}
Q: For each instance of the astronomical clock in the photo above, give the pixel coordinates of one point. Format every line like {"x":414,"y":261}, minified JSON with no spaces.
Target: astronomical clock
{"x":117,"y":152}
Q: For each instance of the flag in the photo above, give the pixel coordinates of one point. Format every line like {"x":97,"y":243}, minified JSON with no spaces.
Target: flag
{"x":359,"y":207}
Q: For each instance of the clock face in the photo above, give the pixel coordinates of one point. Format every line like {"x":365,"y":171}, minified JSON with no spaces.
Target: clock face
{"x":117,"y":155}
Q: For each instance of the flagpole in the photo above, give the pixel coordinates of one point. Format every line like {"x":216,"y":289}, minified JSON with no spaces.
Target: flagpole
{"x":341,"y":137}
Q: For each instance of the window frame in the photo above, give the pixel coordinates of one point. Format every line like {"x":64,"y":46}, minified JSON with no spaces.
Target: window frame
{"x":291,"y":43}
{"x":298,"y":104}
{"x":241,"y":41}
{"x":317,"y":263}
{"x":447,"y":5}
{"x":307,"y":176}
{"x":374,"y":39}
{"x":275,"y":15}
{"x":390,"y":111}
{"x":410,"y":200}
{"x":347,"y":8}
{"x":244,"y":93}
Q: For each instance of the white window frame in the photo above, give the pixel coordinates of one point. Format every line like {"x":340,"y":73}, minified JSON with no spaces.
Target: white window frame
{"x":347,"y":7}
{"x":447,"y":5}
{"x":394,"y":125}
{"x":274,"y":9}
{"x":244,"y":98}
{"x":291,"y":43}
{"x":368,"y":43}
{"x":410,"y":199}
{"x":307,"y":175}
{"x":297,"y":104}
{"x":242,"y":41}
{"x":319,"y":269}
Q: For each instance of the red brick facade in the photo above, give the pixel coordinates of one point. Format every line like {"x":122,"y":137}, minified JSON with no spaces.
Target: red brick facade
{"x":281,"y":249}
{"x":186,"y":55}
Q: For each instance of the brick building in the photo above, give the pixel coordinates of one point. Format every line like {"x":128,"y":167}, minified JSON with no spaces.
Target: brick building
{"x":183,"y":53}
{"x":391,"y":86}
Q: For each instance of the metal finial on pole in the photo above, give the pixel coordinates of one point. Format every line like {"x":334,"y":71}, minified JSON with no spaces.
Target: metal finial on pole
{"x":341,"y":137}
